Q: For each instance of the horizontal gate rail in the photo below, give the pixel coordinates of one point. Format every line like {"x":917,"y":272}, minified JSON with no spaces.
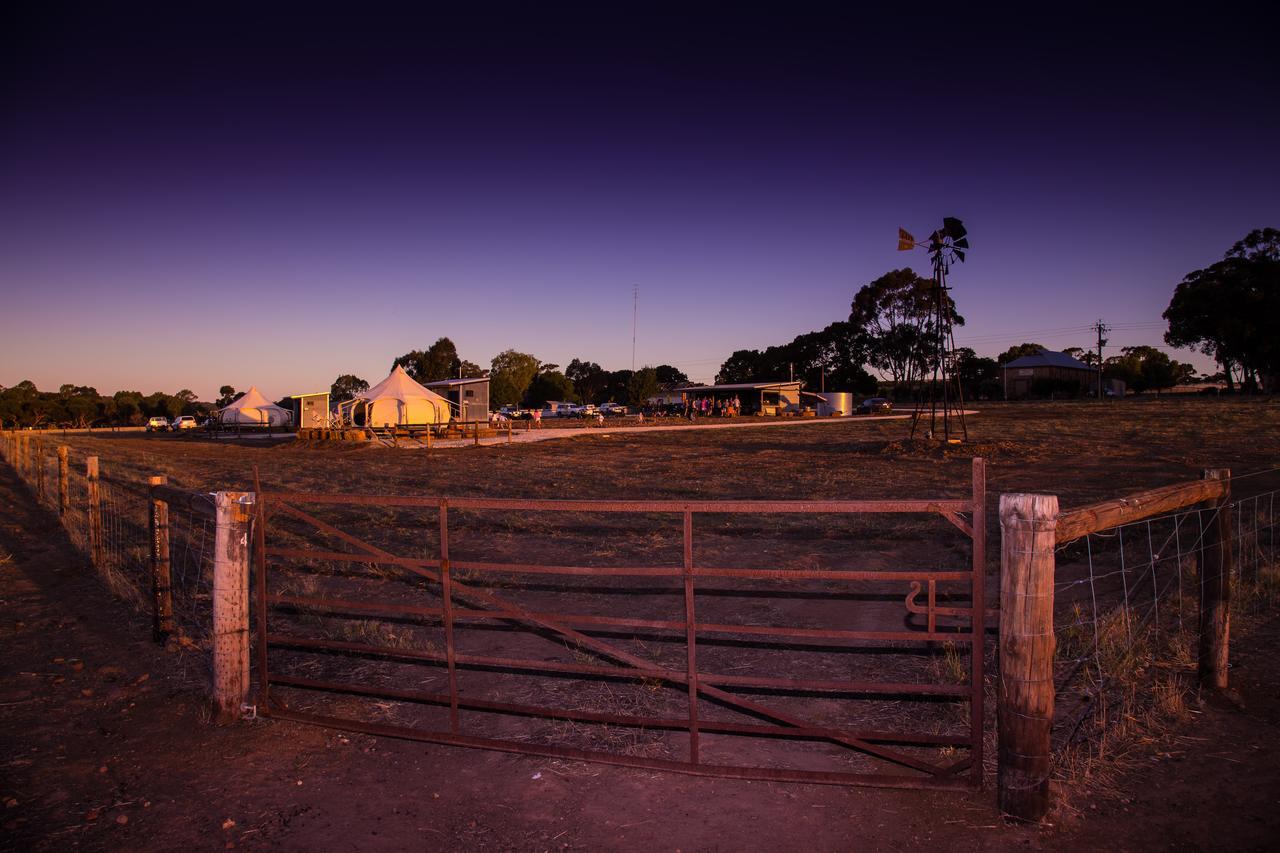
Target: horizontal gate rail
{"x":723,"y":771}
{"x":674,"y":723}
{"x":337,"y":605}
{"x":725,"y":507}
{"x":672,"y":675}
{"x":464,"y":604}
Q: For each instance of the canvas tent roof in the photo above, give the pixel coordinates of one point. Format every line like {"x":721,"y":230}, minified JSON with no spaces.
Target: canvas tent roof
{"x":401,"y":386}
{"x":1048,"y":358}
{"x":399,"y":399}
{"x":253,"y":408}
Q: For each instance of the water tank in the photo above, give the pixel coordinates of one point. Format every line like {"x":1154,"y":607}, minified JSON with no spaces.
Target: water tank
{"x":838,"y":403}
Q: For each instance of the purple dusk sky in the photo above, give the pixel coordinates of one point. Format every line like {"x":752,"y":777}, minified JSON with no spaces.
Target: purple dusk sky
{"x":246,"y":197}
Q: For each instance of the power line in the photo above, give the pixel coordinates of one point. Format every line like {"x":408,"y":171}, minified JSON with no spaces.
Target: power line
{"x":1101,"y":329}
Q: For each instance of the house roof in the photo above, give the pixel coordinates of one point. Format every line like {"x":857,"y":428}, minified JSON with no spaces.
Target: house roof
{"x":1048,"y":358}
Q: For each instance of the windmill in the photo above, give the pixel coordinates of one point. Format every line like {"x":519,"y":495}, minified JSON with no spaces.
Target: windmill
{"x":945,"y":246}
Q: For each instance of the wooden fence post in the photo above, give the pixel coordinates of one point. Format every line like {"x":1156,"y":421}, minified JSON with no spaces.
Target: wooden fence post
{"x":24,"y":456}
{"x":1215,"y":587}
{"x":1028,"y":536}
{"x":95,"y":511}
{"x":63,"y":477}
{"x":161,"y":593}
{"x":231,"y":605}
{"x":40,"y":470}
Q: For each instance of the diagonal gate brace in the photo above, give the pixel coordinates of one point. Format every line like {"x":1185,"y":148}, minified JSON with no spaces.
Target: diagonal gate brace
{"x":516,"y":613}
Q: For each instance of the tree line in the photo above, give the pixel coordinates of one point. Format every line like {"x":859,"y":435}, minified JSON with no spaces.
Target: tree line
{"x":522,"y":379}
{"x":1229,"y":310}
{"x":81,"y":406}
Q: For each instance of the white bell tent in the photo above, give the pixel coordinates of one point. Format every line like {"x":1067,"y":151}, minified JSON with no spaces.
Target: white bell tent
{"x":254,"y":409}
{"x":396,"y":401}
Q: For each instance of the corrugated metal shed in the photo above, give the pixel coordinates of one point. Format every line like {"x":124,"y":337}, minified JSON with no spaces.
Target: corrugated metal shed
{"x":1048,"y":358}
{"x":470,"y":397}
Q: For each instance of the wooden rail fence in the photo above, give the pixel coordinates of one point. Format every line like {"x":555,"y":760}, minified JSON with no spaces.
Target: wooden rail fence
{"x":1032,"y":527}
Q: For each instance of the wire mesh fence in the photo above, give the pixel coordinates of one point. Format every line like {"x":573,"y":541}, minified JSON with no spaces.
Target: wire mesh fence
{"x":107,"y":519}
{"x":1127,"y":614}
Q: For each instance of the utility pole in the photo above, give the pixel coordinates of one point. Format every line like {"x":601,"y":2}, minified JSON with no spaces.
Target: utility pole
{"x":1101,"y":329}
{"x":635,"y":311}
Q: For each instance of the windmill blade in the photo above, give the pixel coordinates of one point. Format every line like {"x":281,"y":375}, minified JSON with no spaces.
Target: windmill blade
{"x":905,"y":241}
{"x":953,"y":227}
{"x":962,"y":243}
{"x":959,"y":253}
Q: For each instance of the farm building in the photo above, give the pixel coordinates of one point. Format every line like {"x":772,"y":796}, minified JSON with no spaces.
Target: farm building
{"x":1048,"y":374}
{"x":311,"y":411}
{"x":769,"y":398}
{"x":469,"y":397}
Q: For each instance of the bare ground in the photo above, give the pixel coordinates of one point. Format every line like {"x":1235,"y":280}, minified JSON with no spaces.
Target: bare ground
{"x":178,"y":781}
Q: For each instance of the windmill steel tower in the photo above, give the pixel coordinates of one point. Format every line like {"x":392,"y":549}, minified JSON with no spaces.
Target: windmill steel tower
{"x":945,"y":246}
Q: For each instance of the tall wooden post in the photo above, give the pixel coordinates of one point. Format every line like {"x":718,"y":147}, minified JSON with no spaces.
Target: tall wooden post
{"x":24,"y":455}
{"x":1027,"y":538}
{"x":39,"y":459}
{"x":95,"y":511}
{"x":978,"y":592}
{"x":231,"y":604}
{"x":1215,"y":587}
{"x":63,"y":478}
{"x":161,"y":585}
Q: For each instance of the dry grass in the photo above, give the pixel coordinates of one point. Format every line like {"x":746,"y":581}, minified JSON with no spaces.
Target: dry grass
{"x":1079,"y":451}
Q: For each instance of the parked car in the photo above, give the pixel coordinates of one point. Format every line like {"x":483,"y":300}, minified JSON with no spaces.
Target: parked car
{"x":158,"y":424}
{"x":612,"y":410}
{"x":584,"y":410}
{"x":875,"y":406}
{"x":515,"y":413}
{"x":184,"y":422}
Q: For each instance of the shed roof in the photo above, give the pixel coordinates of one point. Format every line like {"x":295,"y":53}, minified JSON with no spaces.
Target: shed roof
{"x":449,"y":383}
{"x":1048,"y":358}
{"x":743,"y":386}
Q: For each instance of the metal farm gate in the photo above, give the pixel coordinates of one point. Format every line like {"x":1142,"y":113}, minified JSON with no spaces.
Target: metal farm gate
{"x":399,"y":638}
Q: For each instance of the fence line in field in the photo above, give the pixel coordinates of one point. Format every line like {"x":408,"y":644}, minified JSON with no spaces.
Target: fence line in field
{"x":108,"y":521}
{"x":1139,"y":591}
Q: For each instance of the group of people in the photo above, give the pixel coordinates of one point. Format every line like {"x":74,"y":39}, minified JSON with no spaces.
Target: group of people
{"x":712,"y":407}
